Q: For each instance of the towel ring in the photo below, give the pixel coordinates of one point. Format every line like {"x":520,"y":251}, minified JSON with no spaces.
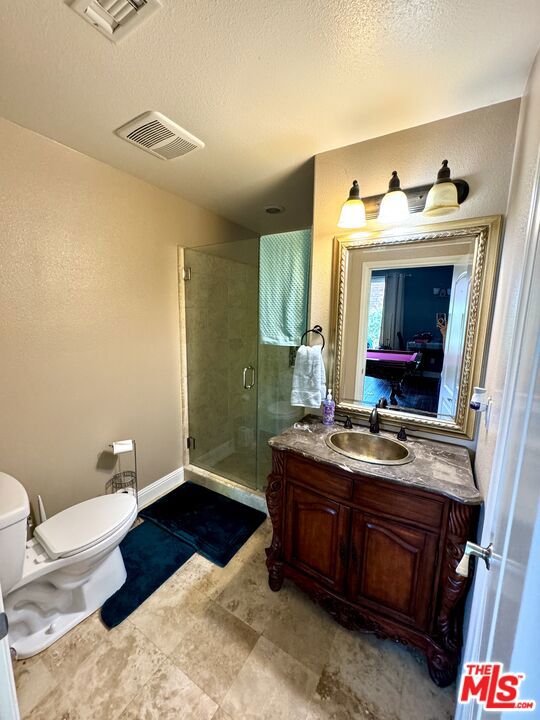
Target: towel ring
{"x":317,"y":329}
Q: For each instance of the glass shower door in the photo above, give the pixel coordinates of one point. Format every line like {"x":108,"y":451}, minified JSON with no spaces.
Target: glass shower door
{"x":276,"y":359}
{"x":221,"y":300}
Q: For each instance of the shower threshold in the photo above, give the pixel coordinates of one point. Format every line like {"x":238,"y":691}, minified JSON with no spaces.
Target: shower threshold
{"x":224,"y":486}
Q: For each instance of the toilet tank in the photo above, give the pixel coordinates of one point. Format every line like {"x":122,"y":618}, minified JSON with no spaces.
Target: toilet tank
{"x":14,"y":510}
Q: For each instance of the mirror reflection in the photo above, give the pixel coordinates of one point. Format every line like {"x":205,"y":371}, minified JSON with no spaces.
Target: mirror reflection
{"x":404,"y":324}
{"x":415,"y":322}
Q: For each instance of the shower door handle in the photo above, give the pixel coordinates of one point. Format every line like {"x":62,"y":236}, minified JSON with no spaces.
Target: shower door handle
{"x":249,"y":385}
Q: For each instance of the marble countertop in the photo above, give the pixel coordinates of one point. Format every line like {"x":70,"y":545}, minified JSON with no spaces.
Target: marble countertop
{"x":437,"y":467}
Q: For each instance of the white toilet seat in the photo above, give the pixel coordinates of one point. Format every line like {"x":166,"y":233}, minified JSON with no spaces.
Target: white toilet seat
{"x":84,"y":525}
{"x":37,"y":561}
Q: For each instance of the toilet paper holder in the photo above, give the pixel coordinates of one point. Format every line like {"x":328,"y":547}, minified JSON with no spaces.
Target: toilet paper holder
{"x":125,"y":481}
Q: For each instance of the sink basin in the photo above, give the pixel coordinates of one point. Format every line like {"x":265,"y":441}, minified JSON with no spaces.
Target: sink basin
{"x":369,"y":448}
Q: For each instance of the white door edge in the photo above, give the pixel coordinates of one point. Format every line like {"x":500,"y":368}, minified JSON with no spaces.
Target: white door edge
{"x":9,"y":709}
{"x":476,"y":624}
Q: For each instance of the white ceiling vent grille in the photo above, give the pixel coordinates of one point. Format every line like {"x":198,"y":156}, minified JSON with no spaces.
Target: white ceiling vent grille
{"x":159,"y":136}
{"x":114,"y":18}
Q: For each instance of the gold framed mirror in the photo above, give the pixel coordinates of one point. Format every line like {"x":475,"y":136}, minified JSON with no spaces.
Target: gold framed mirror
{"x":410,"y":324}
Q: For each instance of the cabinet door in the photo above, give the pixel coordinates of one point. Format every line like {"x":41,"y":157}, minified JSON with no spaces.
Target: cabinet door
{"x":316,"y":539}
{"x":392,"y":567}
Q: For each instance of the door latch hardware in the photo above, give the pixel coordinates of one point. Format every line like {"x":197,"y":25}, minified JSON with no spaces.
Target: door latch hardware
{"x":3,"y":625}
{"x":478,"y":551}
{"x":186,"y":273}
{"x":190,"y":442}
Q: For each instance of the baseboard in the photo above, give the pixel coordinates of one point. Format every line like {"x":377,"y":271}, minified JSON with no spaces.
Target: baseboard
{"x":160,"y":487}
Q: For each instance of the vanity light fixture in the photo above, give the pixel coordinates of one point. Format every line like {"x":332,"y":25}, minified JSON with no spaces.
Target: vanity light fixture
{"x":394,"y":205}
{"x":353,"y":212}
{"x":443,"y":196}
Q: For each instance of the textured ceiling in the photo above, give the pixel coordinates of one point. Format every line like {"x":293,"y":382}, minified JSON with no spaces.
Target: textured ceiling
{"x":265,"y":85}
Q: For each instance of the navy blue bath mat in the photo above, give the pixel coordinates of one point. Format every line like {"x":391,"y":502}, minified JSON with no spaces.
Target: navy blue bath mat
{"x":151,"y":555}
{"x":214,"y":525}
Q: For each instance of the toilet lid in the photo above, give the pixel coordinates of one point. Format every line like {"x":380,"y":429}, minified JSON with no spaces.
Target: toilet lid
{"x":282,"y":408}
{"x":85,"y":524}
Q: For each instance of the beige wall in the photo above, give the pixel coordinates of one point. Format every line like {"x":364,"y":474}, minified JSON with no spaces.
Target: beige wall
{"x":478,"y":144}
{"x":519,"y":208}
{"x":88,"y":316}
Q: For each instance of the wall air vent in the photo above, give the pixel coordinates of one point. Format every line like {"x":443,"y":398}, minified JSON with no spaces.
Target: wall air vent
{"x":114,"y":18}
{"x":159,"y":136}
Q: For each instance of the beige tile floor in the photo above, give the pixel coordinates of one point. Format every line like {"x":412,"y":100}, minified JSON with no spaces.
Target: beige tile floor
{"x":217,"y":644}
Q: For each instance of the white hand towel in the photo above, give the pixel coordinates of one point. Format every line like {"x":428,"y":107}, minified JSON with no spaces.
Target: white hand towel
{"x":309,"y":378}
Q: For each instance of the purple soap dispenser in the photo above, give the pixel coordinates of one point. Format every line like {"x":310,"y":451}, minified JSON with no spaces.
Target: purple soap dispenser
{"x":329,"y":409}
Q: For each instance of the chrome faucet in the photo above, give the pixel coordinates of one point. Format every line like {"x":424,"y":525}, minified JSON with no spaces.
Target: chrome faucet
{"x":374,"y":421}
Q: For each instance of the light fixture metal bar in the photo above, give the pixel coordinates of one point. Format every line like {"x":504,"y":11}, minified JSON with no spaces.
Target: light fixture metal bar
{"x":416,"y":197}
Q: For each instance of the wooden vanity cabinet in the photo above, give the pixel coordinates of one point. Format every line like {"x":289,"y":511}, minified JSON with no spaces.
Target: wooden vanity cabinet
{"x":315,"y":539}
{"x":378,"y":556}
{"x":392,"y":568}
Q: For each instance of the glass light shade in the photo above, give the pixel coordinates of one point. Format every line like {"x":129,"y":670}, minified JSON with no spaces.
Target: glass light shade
{"x":394,"y":207}
{"x":442,"y":199}
{"x":353,"y":214}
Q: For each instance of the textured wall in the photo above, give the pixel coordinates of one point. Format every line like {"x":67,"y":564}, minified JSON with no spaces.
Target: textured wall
{"x":519,"y":208}
{"x":89,"y":316}
{"x":478,"y":144}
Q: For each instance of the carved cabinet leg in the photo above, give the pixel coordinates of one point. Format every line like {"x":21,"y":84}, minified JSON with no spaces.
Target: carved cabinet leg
{"x":275,"y":576}
{"x":274,"y":500}
{"x":442,"y":666}
{"x":443,"y":658}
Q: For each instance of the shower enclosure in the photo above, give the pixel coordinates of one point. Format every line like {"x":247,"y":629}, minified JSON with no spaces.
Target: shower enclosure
{"x":238,"y":389}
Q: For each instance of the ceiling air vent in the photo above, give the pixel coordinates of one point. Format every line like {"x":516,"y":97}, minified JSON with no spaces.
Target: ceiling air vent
{"x":114,"y":18}
{"x":159,"y":136}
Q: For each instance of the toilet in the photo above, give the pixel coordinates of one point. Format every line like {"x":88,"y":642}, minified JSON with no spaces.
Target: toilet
{"x":66,"y":571}
{"x":280,"y":414}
